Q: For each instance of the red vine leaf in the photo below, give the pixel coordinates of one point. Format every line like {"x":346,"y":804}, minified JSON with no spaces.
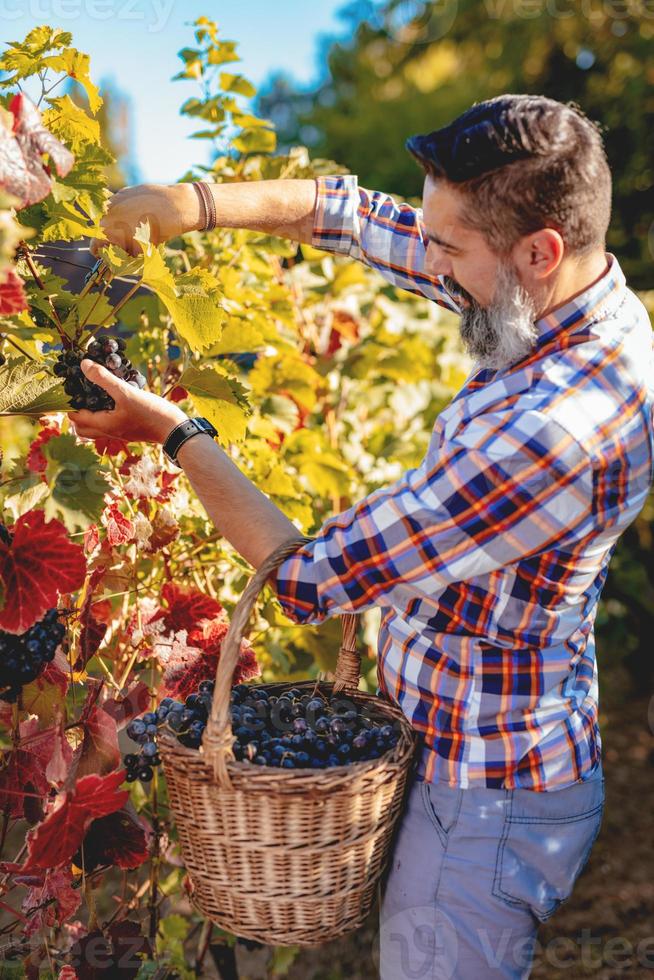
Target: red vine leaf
{"x":187,"y":607}
{"x":67,"y":973}
{"x":38,"y":565}
{"x":24,"y":773}
{"x":51,"y":899}
{"x":22,"y":172}
{"x":108,"y":446}
{"x":29,"y":769}
{"x":120,"y":529}
{"x":12,"y":294}
{"x":46,"y":695}
{"x":197,"y":660}
{"x":91,"y":539}
{"x":32,"y":805}
{"x":91,"y":618}
{"x":58,"y":767}
{"x":36,"y":461}
{"x":121,"y":838}
{"x":52,"y":843}
{"x":99,"y":752}
{"x":133,"y":703}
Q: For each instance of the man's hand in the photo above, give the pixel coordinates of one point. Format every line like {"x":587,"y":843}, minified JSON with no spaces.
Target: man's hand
{"x":139,"y":416}
{"x":171,"y":210}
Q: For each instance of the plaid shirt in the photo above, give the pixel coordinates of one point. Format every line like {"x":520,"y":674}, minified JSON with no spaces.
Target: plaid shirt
{"x":489,"y":558}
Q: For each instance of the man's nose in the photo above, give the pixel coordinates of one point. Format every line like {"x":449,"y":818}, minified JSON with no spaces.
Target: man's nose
{"x":437,"y":263}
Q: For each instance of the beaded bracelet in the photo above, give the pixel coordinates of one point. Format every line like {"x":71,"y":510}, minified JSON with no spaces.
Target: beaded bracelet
{"x":207,"y":205}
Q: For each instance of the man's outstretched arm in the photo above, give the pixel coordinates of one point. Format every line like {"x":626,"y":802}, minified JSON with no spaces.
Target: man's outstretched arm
{"x":332,"y":213}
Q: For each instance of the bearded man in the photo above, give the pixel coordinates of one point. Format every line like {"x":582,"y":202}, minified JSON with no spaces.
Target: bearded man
{"x":489,"y":558}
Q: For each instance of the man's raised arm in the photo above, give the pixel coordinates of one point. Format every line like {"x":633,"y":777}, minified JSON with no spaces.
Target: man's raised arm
{"x":331,"y":213}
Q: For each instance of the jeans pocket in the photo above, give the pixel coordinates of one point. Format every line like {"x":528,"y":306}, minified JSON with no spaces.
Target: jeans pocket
{"x":540,"y":856}
{"x":442,"y":804}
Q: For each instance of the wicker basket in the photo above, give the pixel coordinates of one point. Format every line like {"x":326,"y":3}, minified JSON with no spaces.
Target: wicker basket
{"x":284,"y":856}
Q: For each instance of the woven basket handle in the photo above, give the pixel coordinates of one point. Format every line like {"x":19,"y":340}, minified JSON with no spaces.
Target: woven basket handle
{"x":217,"y":739}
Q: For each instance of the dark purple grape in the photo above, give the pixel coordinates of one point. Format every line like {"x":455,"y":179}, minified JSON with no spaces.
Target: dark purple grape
{"x":135,"y":729}
{"x":82,"y":392}
{"x":24,"y":656}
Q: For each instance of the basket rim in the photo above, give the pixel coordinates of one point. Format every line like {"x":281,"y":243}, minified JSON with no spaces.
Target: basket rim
{"x":395,"y":758}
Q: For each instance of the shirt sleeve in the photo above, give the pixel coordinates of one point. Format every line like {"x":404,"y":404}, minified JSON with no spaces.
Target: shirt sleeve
{"x":505,"y":488}
{"x":372,"y":227}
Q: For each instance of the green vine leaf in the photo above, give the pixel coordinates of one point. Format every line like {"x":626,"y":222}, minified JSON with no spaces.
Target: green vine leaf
{"x":193,"y":299}
{"x":256,"y":139}
{"x":69,"y":123}
{"x":77,"y":480}
{"x":26,"y":388}
{"x":76,"y":65}
{"x":24,"y":58}
{"x":237,"y":84}
{"x":219,"y":399}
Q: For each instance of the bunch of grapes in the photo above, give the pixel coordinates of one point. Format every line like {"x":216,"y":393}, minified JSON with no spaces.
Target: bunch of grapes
{"x":294,"y":730}
{"x":23,"y":657}
{"x":110,"y":353}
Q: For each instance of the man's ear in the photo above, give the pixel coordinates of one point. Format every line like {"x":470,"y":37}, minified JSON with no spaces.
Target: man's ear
{"x":538,"y":255}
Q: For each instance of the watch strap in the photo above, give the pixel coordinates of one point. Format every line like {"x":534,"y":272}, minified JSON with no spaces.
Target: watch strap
{"x":183,"y":432}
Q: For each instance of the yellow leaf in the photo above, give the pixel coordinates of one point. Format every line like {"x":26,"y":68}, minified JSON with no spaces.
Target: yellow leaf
{"x":68,"y":122}
{"x":192,"y":300}
{"x":77,"y":66}
{"x":214,"y":398}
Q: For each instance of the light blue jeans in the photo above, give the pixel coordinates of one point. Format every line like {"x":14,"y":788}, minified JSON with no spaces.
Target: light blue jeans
{"x":473,"y":873}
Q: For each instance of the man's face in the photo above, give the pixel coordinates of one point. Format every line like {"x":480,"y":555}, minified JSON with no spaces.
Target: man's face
{"x":497,"y":322}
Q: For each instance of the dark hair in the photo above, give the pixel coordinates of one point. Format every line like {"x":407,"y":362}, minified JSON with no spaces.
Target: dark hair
{"x":524,"y":162}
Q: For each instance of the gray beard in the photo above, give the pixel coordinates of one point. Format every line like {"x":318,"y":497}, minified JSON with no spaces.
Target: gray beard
{"x":497,"y":335}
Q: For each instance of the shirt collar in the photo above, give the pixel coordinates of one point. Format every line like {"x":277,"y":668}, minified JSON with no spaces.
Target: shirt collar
{"x":600,"y":299}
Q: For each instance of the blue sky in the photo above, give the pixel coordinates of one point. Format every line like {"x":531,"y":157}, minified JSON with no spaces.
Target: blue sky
{"x":135,"y":42}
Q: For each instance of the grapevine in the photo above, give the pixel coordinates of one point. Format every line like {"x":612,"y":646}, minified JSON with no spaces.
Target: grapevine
{"x":115,"y":595}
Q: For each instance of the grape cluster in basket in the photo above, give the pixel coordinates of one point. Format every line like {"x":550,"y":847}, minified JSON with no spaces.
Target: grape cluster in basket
{"x":109,"y":352}
{"x":292,"y":730}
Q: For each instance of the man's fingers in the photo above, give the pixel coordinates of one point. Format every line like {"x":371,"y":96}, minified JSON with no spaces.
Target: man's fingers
{"x":90,"y":420}
{"x":101,"y":376}
{"x":84,"y":428}
{"x":97,"y":247}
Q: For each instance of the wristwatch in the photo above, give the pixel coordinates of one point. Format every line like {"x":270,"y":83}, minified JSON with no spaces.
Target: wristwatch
{"x":183,"y":432}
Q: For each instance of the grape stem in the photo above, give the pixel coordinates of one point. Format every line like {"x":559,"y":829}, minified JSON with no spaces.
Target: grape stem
{"x":126,"y":298}
{"x":24,"y":253}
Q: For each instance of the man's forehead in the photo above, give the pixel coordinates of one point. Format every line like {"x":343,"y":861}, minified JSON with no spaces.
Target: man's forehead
{"x":441,"y":208}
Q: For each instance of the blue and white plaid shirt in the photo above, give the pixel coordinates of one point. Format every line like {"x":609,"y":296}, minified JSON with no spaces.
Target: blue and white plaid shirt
{"x":489,"y":558}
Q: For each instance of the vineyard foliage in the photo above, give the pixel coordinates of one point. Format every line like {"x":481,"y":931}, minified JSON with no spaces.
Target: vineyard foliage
{"x":323,"y":383}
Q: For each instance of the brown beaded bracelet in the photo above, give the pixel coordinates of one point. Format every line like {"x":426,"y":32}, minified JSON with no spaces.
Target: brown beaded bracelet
{"x":207,"y":204}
